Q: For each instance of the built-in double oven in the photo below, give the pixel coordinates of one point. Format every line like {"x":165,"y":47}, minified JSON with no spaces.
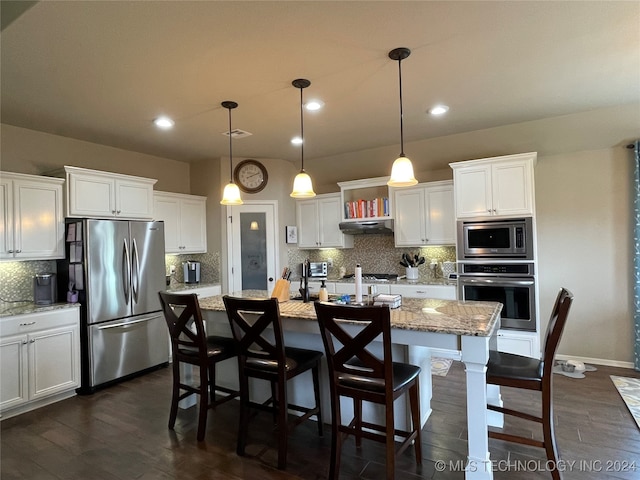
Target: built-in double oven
{"x":496,"y":265}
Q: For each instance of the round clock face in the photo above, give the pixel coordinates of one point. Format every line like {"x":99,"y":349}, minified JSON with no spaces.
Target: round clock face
{"x":250,"y":176}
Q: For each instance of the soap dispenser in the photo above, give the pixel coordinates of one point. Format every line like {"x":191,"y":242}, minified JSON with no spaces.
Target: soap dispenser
{"x":324,"y":295}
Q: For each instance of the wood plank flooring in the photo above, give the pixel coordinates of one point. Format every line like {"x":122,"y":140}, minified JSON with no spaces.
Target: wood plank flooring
{"x":120,"y":433}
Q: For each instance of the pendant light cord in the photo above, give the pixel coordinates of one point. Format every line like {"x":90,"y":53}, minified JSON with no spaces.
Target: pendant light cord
{"x":401,"y":120}
{"x":301,"y":132}
{"x":230,"y":151}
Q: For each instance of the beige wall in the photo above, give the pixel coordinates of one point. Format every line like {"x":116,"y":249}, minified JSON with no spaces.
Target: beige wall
{"x":37,"y":153}
{"x":584,"y":204}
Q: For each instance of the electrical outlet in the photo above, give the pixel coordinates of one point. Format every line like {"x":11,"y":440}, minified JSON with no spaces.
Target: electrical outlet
{"x":329,"y":262}
{"x":172,"y":269}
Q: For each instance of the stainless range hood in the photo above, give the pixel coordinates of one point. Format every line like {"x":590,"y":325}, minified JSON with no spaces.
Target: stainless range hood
{"x":359,"y":227}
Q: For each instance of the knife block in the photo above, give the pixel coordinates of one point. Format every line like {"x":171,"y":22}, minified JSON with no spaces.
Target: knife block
{"x":281,"y":290}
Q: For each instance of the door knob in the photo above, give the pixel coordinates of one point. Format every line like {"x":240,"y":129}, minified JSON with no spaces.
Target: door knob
{"x":271,"y":279}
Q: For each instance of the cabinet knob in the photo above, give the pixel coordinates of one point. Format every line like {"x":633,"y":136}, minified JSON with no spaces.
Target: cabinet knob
{"x":24,"y":342}
{"x":113,"y":212}
{"x":27,"y":324}
{"x":18,"y":251}
{"x":10,"y":251}
{"x":33,"y":340}
{"x":118,"y":212}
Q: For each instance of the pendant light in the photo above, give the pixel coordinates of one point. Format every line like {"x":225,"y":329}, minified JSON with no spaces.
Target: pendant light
{"x":402,"y":169}
{"x":231,"y":195}
{"x":302,"y":186}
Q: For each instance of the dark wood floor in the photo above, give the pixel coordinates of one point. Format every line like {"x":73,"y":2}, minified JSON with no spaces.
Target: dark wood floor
{"x":121,"y":433}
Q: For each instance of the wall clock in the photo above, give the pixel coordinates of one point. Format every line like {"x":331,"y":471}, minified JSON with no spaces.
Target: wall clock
{"x":250,"y":176}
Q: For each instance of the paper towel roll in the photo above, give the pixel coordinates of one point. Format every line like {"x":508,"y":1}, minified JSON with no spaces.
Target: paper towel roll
{"x":358,"y":280}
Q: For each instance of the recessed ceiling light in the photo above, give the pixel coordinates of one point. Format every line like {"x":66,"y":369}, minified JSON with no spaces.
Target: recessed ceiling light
{"x":164,"y":122}
{"x":313,"y":105}
{"x":296,"y":141}
{"x":438,"y":110}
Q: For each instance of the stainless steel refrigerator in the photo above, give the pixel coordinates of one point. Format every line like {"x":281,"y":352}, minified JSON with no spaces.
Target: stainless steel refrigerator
{"x":118,"y":268}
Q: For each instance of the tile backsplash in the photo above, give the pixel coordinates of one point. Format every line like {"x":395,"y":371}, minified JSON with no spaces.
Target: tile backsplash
{"x":16,"y":279}
{"x":375,"y":254}
{"x":209,"y":266}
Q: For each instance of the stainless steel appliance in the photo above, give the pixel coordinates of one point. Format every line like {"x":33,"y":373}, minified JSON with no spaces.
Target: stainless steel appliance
{"x":318,"y":269}
{"x":512,"y":284}
{"x":118,"y":269}
{"x":191,"y":271}
{"x":507,"y":239}
{"x":45,"y":288}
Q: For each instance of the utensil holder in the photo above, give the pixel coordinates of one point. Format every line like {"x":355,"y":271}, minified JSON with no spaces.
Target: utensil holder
{"x":412,"y":273}
{"x":281,"y":290}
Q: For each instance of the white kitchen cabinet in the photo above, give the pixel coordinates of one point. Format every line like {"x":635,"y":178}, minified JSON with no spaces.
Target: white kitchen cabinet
{"x":314,"y":287}
{"x":350,"y":288}
{"x":40,"y":359}
{"x":424,"y":215}
{"x":318,"y":222}
{"x":31,"y":217}
{"x":519,"y":343}
{"x":443,"y":292}
{"x":495,"y":187}
{"x":185,"y":221}
{"x":95,"y":194}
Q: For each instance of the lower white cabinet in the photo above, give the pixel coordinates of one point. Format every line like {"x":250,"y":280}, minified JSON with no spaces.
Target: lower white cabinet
{"x":39,"y":359}
{"x":519,"y":343}
{"x":202,"y":292}
{"x":350,"y":288}
{"x":442,"y":292}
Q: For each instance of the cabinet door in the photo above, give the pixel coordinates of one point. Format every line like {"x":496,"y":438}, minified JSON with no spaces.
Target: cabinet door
{"x":410,"y":217}
{"x":307,"y":212}
{"x":167,"y":209}
{"x":13,"y":371}
{"x":91,"y":196}
{"x":134,"y":199}
{"x":473,"y":191}
{"x":39,"y":228}
{"x":440,"y":218}
{"x":53,"y":361}
{"x":6,"y":218}
{"x":329,"y":216}
{"x":193,"y":225}
{"x":512,"y":188}
{"x":518,"y":344}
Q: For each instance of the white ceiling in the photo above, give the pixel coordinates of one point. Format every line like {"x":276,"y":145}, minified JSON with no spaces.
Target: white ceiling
{"x":101,"y":71}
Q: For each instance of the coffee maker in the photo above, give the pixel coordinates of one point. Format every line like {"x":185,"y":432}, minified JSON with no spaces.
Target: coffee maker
{"x":44,"y":288}
{"x":191,"y":271}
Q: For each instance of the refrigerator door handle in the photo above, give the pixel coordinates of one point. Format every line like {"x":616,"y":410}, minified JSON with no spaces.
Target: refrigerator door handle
{"x":126,"y":271}
{"x":135,"y":275}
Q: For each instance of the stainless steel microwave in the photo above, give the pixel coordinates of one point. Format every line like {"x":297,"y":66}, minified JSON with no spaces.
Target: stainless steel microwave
{"x":510,"y":238}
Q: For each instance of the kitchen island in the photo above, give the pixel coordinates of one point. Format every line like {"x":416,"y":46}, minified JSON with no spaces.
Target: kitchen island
{"x":465,"y":328}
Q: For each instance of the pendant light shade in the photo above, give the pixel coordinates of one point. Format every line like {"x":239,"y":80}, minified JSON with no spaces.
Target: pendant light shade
{"x":402,"y":169}
{"x":231,"y":194}
{"x":302,"y":186}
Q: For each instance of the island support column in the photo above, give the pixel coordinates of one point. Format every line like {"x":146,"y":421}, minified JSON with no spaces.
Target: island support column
{"x":475,"y":355}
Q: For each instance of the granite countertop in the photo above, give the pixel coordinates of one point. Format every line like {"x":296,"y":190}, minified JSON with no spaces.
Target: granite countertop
{"x":402,"y":281}
{"x":423,"y":315}
{"x":179,"y":287}
{"x":8,"y":309}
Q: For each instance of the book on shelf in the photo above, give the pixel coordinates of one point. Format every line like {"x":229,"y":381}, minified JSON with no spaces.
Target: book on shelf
{"x":374,"y":208}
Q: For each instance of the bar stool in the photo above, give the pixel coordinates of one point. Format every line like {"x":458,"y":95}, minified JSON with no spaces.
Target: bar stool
{"x":517,"y":371}
{"x":356,"y":373}
{"x":262,"y":358}
{"x":190,"y":345}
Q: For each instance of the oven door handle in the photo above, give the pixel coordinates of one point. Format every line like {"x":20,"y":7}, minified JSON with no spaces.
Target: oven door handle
{"x":501,"y":281}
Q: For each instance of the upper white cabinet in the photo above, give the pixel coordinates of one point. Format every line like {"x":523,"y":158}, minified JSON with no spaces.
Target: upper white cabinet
{"x":424,"y":215}
{"x":495,"y":187}
{"x":185,"y":221}
{"x":366,"y":198}
{"x":318,"y":222}
{"x":31,"y":217}
{"x":95,"y":194}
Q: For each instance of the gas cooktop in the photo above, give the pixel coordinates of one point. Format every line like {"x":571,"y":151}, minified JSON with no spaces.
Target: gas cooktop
{"x":380,"y":277}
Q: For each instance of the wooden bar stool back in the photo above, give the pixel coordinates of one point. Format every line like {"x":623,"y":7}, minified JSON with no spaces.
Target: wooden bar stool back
{"x":191,"y":345}
{"x":517,"y":371}
{"x":357,"y":373}
{"x":264,"y":356}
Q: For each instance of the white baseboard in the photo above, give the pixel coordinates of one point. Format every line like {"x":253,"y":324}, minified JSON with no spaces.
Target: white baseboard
{"x":597,"y":361}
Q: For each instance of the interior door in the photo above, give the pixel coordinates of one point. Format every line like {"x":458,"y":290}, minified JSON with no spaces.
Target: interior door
{"x":252,"y":246}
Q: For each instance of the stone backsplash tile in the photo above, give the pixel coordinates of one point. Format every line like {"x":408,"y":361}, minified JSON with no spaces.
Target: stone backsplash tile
{"x":375,"y":254}
{"x":209,"y":266}
{"x":16,"y":279}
